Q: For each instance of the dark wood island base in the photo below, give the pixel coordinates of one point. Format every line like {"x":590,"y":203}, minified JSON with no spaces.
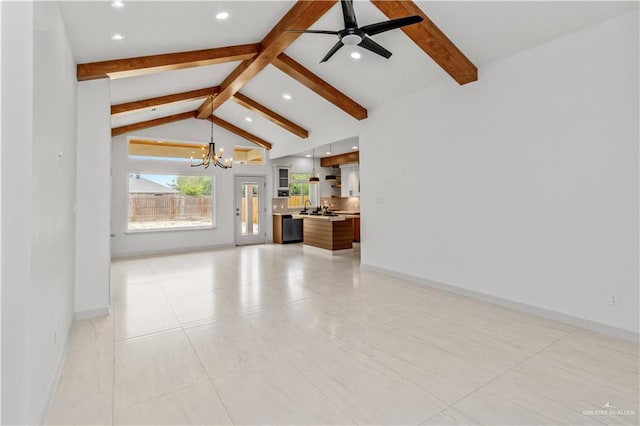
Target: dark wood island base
{"x":328,"y":233}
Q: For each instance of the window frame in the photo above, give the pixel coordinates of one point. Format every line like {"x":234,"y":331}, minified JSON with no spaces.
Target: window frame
{"x":214,"y":215}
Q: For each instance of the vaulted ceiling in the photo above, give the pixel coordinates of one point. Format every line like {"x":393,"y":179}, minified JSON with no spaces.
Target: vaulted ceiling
{"x":187,"y":62}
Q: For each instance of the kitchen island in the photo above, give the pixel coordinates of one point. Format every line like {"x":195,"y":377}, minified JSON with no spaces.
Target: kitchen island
{"x":328,"y":232}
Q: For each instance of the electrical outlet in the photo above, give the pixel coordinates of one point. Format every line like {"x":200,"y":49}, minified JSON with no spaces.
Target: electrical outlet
{"x":613,"y":299}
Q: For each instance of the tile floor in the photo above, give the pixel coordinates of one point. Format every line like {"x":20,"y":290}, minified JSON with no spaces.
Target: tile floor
{"x":275,"y":334}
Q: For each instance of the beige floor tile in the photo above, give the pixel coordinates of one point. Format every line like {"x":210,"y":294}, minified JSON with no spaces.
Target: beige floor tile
{"x":504,"y":403}
{"x":91,"y":332}
{"x":131,"y":271}
{"x":184,"y":285}
{"x":196,"y":405}
{"x":125,"y":294}
{"x":150,"y":367}
{"x":438,"y":372}
{"x":366,"y":391}
{"x":203,"y":306}
{"x":492,"y":348}
{"x":142,"y":318}
{"x":228,"y":346}
{"x":277,"y":394}
{"x":285,"y":330}
{"x":579,"y":390}
{"x":292,"y":337}
{"x":84,"y":395}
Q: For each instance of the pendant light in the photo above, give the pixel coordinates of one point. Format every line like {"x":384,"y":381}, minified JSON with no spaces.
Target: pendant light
{"x":330,"y":177}
{"x":210,"y":156}
{"x":314,"y":176}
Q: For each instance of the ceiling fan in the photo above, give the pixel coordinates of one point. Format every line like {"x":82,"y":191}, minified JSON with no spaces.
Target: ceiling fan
{"x":354,"y":35}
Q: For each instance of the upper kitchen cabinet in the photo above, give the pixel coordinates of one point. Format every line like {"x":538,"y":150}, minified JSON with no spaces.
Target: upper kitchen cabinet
{"x":281,"y":176}
{"x":350,"y":180}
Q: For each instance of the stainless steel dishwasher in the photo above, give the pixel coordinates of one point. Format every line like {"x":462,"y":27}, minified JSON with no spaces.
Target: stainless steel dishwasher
{"x":291,"y":229}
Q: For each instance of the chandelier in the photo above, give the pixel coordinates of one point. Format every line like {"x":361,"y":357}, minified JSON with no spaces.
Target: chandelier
{"x":210,"y":157}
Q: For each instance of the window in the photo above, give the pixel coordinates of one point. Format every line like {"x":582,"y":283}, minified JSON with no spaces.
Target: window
{"x":169,"y":201}
{"x":248,"y":155}
{"x":165,"y":150}
{"x":300,"y":190}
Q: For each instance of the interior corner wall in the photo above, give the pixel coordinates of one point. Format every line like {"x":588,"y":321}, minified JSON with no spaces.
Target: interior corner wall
{"x":93,"y":199}
{"x":51,"y":297}
{"x":124,"y":244}
{"x":521,"y":186}
{"x":38,"y":192}
{"x":17,"y":127}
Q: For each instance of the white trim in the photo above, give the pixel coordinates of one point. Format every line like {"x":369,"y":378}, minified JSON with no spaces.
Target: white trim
{"x":150,"y":253}
{"x":93,"y":313}
{"x":619,"y":333}
{"x":53,"y":386}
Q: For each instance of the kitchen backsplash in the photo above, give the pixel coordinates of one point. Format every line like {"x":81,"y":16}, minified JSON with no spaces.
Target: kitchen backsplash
{"x":351,"y":204}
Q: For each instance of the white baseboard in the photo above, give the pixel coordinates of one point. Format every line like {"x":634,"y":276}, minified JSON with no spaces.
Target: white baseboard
{"x":53,"y":386}
{"x":147,"y":253}
{"x":619,"y":333}
{"x":93,"y":313}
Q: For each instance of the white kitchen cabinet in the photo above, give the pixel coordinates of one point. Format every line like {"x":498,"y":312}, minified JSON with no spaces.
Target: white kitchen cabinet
{"x":281,"y":177}
{"x":350,"y":180}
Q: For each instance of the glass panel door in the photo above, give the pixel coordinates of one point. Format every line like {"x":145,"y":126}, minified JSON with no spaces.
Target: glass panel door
{"x":250,"y":210}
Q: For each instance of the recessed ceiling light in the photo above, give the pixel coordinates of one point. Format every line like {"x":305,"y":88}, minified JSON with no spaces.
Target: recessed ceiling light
{"x":117,"y":37}
{"x":287,"y":96}
{"x":308,"y":155}
{"x":354,"y":147}
{"x":249,"y":119}
{"x":355,"y":55}
{"x":117,"y":4}
{"x":222,"y":15}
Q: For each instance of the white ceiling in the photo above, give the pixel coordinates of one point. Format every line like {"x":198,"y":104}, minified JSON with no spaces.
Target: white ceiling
{"x":484,"y":31}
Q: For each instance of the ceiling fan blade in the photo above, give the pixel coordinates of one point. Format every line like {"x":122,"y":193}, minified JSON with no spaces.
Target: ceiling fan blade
{"x":313,"y":32}
{"x":371,"y":45}
{"x":333,"y":50}
{"x":381,"y":27}
{"x":349,"y":14}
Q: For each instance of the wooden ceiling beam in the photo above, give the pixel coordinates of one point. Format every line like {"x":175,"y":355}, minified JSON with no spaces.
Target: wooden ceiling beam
{"x":270,"y":115}
{"x":298,"y":72}
{"x":238,"y":131}
{"x":300,"y":17}
{"x":152,"y":123}
{"x":431,"y":39}
{"x":163,"y":100}
{"x":131,"y":67}
{"x":338,"y":160}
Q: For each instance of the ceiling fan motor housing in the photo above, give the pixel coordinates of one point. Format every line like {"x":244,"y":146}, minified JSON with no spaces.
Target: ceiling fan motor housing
{"x":351,"y":36}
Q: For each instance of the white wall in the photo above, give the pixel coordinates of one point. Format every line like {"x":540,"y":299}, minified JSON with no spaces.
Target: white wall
{"x":127,"y":244}
{"x":523,"y":185}
{"x":93,"y":201}
{"x":38,"y":192}
{"x":17,"y":125}
{"x":53,"y":193}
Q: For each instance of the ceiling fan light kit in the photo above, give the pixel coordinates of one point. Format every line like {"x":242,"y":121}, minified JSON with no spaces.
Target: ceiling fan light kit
{"x":352,"y":35}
